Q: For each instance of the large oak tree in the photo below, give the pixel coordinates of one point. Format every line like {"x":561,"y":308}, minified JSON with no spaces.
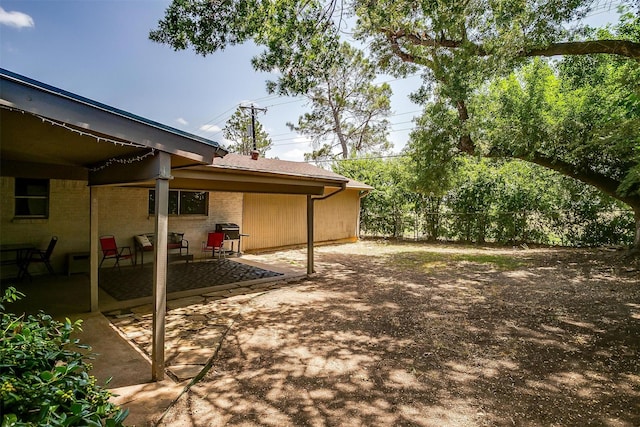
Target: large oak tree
{"x":458,"y":46}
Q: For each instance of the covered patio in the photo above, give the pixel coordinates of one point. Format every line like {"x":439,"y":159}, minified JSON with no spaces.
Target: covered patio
{"x":48,"y":133}
{"x":132,"y":286}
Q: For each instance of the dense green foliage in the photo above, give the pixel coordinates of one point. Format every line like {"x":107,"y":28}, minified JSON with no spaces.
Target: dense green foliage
{"x":383,"y":211}
{"x":488,"y":201}
{"x":44,"y":378}
{"x":578,"y":116}
{"x":238,"y":131}
{"x":483,"y":95}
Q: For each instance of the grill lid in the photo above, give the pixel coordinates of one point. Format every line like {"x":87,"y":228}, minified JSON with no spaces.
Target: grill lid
{"x":231,"y":230}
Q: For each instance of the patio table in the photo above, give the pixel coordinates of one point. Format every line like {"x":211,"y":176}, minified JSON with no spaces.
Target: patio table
{"x":21,"y":250}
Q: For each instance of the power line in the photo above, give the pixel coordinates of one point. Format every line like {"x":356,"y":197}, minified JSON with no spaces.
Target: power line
{"x":304,"y":142}
{"x":287,"y":102}
{"x":219,"y":118}
{"x":381,"y":157}
{"x":219,"y":115}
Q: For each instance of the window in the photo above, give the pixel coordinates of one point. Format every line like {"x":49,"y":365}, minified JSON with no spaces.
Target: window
{"x":183,"y":202}
{"x":32,"y":198}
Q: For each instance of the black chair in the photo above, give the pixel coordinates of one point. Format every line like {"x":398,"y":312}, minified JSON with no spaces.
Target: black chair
{"x":37,"y":256}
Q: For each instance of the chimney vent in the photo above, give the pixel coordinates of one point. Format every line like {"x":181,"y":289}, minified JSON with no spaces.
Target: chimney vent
{"x":255,"y":154}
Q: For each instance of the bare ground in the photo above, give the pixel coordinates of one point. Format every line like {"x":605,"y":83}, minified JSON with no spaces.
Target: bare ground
{"x":429,"y":335}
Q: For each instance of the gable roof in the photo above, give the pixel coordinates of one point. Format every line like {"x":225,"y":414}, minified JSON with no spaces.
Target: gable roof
{"x":283,"y":168}
{"x":238,"y":173}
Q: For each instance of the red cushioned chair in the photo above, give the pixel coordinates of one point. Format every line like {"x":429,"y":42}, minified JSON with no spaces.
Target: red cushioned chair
{"x":110,"y":250}
{"x":214,"y":243}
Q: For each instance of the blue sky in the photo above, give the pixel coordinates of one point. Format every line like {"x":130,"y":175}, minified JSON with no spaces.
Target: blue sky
{"x":100,"y":49}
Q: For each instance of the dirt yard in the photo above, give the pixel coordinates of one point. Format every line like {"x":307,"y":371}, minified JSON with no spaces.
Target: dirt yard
{"x":428,"y":335}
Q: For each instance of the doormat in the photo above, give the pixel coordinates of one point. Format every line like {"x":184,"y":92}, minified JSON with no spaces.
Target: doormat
{"x":137,"y":282}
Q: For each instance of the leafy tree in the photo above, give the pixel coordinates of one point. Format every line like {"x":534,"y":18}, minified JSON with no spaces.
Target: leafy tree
{"x":568,"y":123}
{"x":516,"y":201}
{"x":458,"y":46}
{"x":349,"y":111}
{"x":44,"y":379}
{"x":386,"y":210}
{"x":493,"y":200}
{"x":301,"y":40}
{"x":238,"y":130}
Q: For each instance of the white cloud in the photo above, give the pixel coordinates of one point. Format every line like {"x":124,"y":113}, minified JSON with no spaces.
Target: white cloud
{"x":224,"y":141}
{"x":182,"y":121}
{"x":15,"y":19}
{"x":210,"y":128}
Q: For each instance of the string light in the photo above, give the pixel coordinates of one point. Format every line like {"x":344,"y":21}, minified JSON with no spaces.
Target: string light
{"x":122,"y":161}
{"x":106,"y":164}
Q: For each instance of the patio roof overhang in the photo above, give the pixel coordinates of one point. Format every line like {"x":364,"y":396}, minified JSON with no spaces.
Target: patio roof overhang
{"x":206,"y":178}
{"x":223,"y":180}
{"x":48,"y":132}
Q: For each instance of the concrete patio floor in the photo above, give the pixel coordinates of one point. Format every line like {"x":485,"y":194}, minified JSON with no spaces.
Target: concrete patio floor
{"x":116,"y":358}
{"x":63,"y":295}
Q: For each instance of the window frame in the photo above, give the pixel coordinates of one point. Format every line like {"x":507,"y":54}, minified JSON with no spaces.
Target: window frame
{"x":176,"y":199}
{"x":17,"y":197}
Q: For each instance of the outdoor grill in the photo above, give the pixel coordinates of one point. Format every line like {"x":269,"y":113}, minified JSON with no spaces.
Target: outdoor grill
{"x":231,"y":231}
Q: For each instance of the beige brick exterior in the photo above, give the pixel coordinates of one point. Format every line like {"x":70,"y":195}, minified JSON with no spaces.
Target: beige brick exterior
{"x":272,"y":220}
{"x":68,"y":219}
{"x":123,"y":212}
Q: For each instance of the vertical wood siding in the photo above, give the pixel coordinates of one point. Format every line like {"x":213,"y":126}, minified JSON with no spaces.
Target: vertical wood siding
{"x":276,"y":220}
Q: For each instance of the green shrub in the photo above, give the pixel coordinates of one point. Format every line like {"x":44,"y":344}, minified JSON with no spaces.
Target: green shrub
{"x":44,"y":378}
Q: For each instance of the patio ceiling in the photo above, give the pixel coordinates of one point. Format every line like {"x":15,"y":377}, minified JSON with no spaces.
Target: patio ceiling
{"x":48,"y":132}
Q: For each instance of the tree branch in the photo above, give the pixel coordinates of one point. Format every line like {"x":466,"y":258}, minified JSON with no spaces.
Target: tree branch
{"x":602,"y":182}
{"x":405,"y":56}
{"x":614,"y":47}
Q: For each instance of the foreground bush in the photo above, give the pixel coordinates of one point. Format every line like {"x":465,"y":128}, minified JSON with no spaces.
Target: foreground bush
{"x":44,"y":378}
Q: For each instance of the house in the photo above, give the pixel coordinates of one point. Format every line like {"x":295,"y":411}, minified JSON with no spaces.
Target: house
{"x":77,"y":169}
{"x":266,"y":198}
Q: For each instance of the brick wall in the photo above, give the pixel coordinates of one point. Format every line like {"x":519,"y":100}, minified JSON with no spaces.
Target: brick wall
{"x":272,"y":220}
{"x":68,"y":219}
{"x":123,"y":212}
{"x":134,"y":218}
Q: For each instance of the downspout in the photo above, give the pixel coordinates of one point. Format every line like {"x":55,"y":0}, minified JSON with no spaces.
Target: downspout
{"x":310,"y":215}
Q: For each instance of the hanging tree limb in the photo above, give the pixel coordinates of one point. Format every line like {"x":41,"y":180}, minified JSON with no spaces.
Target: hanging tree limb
{"x":614,"y":47}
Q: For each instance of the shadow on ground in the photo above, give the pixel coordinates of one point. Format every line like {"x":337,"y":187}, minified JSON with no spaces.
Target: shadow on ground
{"x":403,"y":337}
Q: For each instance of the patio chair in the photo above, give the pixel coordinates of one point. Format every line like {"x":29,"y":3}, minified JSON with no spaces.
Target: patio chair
{"x":214,"y":243}
{"x":110,"y":250}
{"x":38,"y":256}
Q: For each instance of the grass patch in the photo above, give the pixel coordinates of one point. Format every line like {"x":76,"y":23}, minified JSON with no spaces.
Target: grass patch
{"x":429,"y":261}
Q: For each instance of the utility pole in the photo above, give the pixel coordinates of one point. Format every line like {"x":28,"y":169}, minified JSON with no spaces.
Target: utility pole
{"x":253,"y":109}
